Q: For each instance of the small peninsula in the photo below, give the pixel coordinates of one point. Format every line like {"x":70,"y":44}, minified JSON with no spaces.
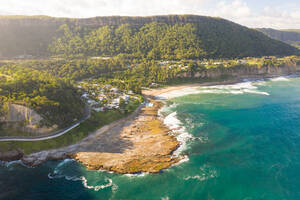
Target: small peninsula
{"x":137,"y":143}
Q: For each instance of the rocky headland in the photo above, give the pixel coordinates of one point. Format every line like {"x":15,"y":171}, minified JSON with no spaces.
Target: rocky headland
{"x":137,"y":143}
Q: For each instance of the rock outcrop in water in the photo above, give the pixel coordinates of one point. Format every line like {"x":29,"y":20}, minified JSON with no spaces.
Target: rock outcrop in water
{"x":11,"y":155}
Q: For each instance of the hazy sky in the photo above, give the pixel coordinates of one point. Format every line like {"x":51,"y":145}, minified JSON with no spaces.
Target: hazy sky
{"x":252,"y":13}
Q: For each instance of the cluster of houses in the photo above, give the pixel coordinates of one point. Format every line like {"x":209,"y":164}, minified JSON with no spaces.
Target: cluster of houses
{"x":225,"y":63}
{"x":205,"y":63}
{"x":104,"y":97}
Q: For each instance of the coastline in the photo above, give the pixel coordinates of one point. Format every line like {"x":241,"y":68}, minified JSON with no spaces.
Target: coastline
{"x":138,"y":143}
{"x":135,"y":144}
{"x":154,"y":93}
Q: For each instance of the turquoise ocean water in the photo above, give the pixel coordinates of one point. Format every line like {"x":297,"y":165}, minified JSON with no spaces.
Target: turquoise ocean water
{"x":242,"y":142}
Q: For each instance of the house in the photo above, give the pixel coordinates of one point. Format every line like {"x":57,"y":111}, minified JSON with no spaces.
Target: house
{"x":101,"y":98}
{"x":114,"y":90}
{"x":218,"y":63}
{"x":92,"y":102}
{"x":100,"y":58}
{"x":109,"y":107}
{"x":164,"y":63}
{"x":99,"y":109}
{"x":242,"y":61}
{"x":130,"y":92}
{"x":126,"y":98}
{"x":115,"y":101}
{"x":85,"y":95}
{"x":185,"y":67}
{"x":154,"y":85}
{"x":107,"y":86}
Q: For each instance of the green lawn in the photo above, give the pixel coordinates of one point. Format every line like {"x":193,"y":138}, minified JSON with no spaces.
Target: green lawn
{"x":4,"y":131}
{"x":96,"y":121}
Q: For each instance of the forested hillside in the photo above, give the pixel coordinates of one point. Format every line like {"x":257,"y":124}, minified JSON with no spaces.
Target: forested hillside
{"x":158,"y":37}
{"x":55,"y":99}
{"x":289,"y":36}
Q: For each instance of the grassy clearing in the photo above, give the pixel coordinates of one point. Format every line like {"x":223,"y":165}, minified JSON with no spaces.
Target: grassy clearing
{"x":96,"y":121}
{"x":4,"y":131}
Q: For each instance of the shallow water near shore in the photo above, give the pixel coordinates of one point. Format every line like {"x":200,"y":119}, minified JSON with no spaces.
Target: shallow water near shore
{"x":242,"y":142}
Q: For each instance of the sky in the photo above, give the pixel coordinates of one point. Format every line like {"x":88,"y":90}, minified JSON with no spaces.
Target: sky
{"x":279,"y":14}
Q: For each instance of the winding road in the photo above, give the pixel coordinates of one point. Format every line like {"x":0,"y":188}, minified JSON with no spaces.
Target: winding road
{"x":50,"y":136}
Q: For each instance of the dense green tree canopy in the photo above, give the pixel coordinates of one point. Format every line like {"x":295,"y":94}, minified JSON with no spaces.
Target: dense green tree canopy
{"x":169,"y":37}
{"x":164,"y":41}
{"x":55,"y":99}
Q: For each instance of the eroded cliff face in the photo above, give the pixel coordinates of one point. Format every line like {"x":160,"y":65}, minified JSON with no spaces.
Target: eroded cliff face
{"x":23,"y":118}
{"x":19,"y":113}
{"x":243,"y":71}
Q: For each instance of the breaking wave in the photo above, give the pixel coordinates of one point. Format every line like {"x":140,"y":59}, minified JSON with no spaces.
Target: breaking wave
{"x":84,"y":181}
{"x":11,"y":164}
{"x":179,"y":131}
{"x":136,"y":175}
{"x":57,"y":174}
{"x":239,"y":88}
{"x":281,"y":78}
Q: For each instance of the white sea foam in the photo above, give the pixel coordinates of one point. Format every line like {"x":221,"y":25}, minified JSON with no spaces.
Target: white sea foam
{"x":98,"y":187}
{"x":185,"y":159}
{"x":10,"y":164}
{"x":57,"y":174}
{"x":84,"y":181}
{"x":281,"y":78}
{"x":136,"y":175}
{"x":62,"y":163}
{"x":106,"y":171}
{"x":178,"y":130}
{"x":239,"y":88}
{"x":207,"y":172}
{"x":200,"y":178}
{"x":175,"y":125}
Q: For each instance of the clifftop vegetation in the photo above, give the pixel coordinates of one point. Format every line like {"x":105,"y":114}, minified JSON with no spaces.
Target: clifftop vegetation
{"x":55,"y":99}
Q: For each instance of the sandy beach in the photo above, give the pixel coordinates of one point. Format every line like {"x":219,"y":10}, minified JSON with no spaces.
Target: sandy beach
{"x":154,"y":93}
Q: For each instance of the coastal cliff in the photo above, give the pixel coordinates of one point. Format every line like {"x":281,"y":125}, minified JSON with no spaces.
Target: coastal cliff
{"x":19,"y":113}
{"x":243,"y":71}
{"x":22,"y":118}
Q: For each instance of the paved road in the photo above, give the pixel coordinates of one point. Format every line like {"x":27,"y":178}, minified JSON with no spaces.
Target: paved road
{"x":50,"y":136}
